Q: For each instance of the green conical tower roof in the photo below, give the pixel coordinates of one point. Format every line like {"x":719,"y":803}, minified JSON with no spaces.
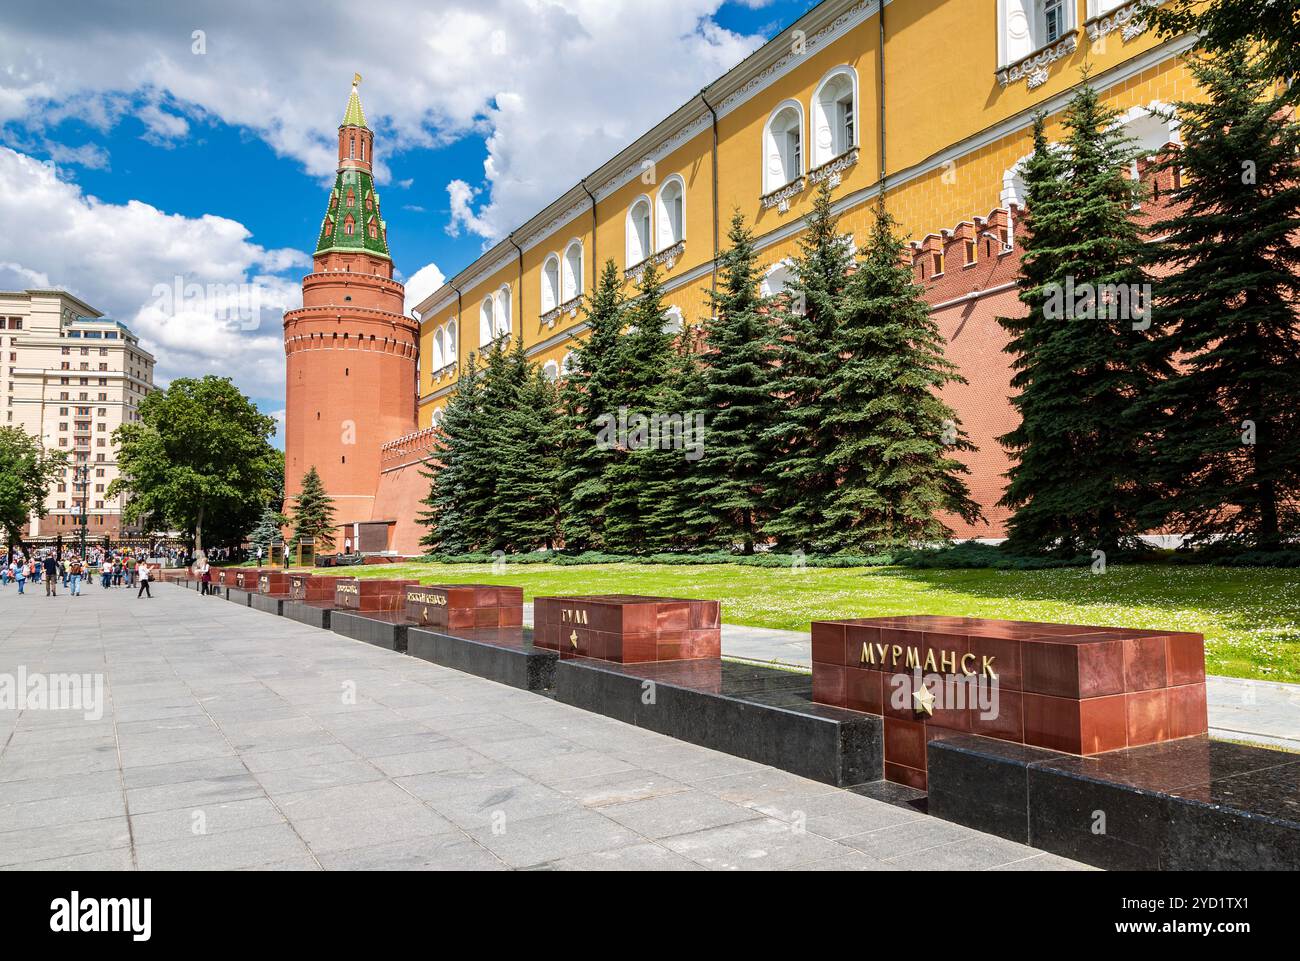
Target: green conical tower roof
{"x":353,"y":221}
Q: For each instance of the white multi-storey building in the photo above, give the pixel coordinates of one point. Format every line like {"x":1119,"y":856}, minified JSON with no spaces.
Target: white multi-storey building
{"x":69,"y":378}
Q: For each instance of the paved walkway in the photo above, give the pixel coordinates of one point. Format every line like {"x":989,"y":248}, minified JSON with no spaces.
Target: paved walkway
{"x":230,"y":738}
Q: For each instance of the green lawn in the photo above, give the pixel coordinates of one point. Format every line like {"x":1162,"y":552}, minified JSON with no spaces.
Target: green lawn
{"x":1250,"y":616}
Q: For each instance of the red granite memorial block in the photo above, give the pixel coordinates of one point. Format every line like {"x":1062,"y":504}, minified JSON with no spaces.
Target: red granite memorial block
{"x":465,"y":607}
{"x":370,"y":594}
{"x":628,"y":628}
{"x":223,"y":576}
{"x":246,"y":578}
{"x":273,"y":582}
{"x":1070,"y":688}
{"x":312,"y":588}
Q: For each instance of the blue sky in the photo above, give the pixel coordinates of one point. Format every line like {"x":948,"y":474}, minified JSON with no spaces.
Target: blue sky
{"x":136,"y":157}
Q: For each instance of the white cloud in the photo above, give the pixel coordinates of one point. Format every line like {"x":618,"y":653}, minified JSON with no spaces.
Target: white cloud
{"x":130,"y":260}
{"x":556,"y":86}
{"x":421,"y":284}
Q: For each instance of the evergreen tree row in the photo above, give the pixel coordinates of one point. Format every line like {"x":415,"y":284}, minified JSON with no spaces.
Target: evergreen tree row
{"x":810,"y":420}
{"x":1157,"y":365}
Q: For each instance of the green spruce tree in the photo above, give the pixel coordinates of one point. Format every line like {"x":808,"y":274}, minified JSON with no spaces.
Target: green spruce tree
{"x":590,"y":390}
{"x":737,"y":397}
{"x":635,"y":471}
{"x":451,"y":473}
{"x":800,"y":477}
{"x":894,"y":437}
{"x":270,"y":526}
{"x":313,"y":513}
{"x":1229,"y":310}
{"x":526,"y":442}
{"x":1082,"y":457}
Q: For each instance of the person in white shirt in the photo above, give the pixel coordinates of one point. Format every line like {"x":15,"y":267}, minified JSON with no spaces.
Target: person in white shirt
{"x":142,"y":571}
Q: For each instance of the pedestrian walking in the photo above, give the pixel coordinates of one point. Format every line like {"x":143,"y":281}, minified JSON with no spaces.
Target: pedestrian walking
{"x":142,"y":572}
{"x":51,"y":568}
{"x":74,"y":575}
{"x":20,"y":575}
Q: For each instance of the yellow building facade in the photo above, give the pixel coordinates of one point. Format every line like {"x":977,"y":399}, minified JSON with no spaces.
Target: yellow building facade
{"x":929,"y":102}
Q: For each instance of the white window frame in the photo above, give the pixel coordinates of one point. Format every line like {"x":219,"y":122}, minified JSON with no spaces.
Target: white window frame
{"x":550,"y":295}
{"x":820,"y":121}
{"x":771,"y":144}
{"x":571,"y":274}
{"x":666,"y":237}
{"x":503,"y":300}
{"x":631,"y":254}
{"x":486,"y":320}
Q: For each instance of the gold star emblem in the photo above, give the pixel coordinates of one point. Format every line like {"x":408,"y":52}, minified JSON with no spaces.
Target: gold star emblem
{"x":573,"y":639}
{"x":424,"y":615}
{"x":924,"y":701}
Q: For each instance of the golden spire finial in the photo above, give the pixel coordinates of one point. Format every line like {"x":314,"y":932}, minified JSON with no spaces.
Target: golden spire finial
{"x":356,"y":79}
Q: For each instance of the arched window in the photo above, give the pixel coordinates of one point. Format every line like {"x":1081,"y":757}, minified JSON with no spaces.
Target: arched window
{"x":437,"y":417}
{"x":503,"y":315}
{"x":572,"y":278}
{"x":449,"y":343}
{"x":671,"y":215}
{"x":486,"y":322}
{"x":783,"y":146}
{"x":673,"y":322}
{"x":438,"y":362}
{"x":551,"y":371}
{"x":550,"y":283}
{"x":567,"y":364}
{"x":638,"y":231}
{"x":835,"y":115}
{"x":776,"y":279}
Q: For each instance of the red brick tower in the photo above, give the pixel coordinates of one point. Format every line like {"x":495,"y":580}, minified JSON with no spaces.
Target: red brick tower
{"x":350,"y":351}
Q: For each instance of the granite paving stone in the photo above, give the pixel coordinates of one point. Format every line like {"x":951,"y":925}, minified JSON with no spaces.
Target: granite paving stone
{"x":232,"y":739}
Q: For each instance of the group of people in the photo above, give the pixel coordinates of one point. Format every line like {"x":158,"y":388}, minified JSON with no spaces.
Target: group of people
{"x":113,"y":568}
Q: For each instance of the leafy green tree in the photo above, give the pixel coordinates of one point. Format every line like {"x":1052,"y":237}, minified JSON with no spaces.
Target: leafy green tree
{"x":1272,"y":25}
{"x":313,"y":513}
{"x":1229,"y":310}
{"x":526,"y":444}
{"x":1082,"y":458}
{"x":26,"y":473}
{"x":737,"y":396}
{"x":200,"y":456}
{"x":894,"y":437}
{"x":801,"y":475}
{"x":591,"y":389}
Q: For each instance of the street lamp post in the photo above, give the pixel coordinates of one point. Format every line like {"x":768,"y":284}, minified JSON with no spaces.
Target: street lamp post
{"x":83,"y":478}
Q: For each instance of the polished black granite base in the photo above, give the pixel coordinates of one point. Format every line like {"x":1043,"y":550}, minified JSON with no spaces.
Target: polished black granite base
{"x":307,"y":612}
{"x":378,"y":628}
{"x":238,"y":595}
{"x":754,"y":712}
{"x":269,"y":603}
{"x":504,"y":655}
{"x":1189,"y":804}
